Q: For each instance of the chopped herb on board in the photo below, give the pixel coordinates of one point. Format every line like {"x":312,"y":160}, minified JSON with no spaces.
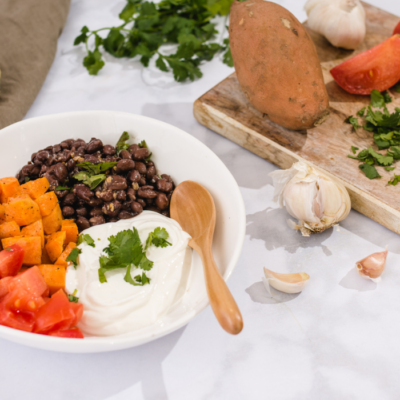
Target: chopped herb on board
{"x":377,"y":99}
{"x":353,"y":121}
{"x":354,"y":149}
{"x":389,"y":168}
{"x":361,"y":112}
{"x":395,"y":180}
{"x":369,"y":171}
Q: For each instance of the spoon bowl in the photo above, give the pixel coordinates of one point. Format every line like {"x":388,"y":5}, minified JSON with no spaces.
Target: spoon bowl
{"x":192,"y":206}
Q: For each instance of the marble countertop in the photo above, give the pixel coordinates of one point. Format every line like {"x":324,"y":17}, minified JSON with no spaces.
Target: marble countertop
{"x":339,"y":339}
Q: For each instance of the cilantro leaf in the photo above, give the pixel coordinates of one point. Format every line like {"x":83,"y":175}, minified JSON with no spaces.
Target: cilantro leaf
{"x":86,"y":238}
{"x":72,"y":298}
{"x":369,"y":171}
{"x":353,"y":121}
{"x":73,"y":256}
{"x":390,"y":168}
{"x":91,"y":176}
{"x":354,"y":149}
{"x":395,"y":180}
{"x":377,"y":100}
{"x":82,"y":37}
{"x":62,"y":188}
{"x":361,"y":112}
{"x":158,"y":238}
{"x":380,"y":158}
{"x":139,"y":280}
{"x":386,"y":97}
{"x":394,"y":152}
{"x":93,"y":62}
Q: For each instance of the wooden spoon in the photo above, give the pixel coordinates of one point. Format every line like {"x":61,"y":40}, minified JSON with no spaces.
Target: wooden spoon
{"x":193,"y":208}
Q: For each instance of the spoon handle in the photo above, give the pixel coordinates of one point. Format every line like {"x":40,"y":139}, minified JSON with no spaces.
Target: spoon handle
{"x":221,"y":299}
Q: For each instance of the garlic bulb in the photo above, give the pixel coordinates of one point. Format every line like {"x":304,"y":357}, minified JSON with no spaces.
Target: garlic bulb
{"x":287,"y":283}
{"x":371,"y":267}
{"x":310,"y":196}
{"x":342,"y":22}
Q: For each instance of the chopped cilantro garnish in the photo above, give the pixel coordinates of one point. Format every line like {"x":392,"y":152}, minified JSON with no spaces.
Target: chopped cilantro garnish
{"x":361,"y":112}
{"x":73,"y":256}
{"x":390,"y":168}
{"x":353,"y":121}
{"x":354,"y":149}
{"x":92,"y":175}
{"x":377,"y":100}
{"x":125,"y":249}
{"x":158,"y":238}
{"x":72,"y":298}
{"x":85,"y":238}
{"x":387,"y":97}
{"x":369,"y":171}
{"x":121,"y":144}
{"x":395,"y":180}
{"x":62,"y":188}
{"x":27,"y":179}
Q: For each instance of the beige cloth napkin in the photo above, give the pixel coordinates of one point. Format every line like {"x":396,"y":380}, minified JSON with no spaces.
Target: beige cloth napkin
{"x":29,"y":30}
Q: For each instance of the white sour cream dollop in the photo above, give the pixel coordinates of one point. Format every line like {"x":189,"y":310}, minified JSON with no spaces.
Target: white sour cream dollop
{"x":117,"y":307}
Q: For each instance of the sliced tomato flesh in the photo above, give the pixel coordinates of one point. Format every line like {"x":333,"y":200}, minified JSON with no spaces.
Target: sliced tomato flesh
{"x":11,"y":260}
{"x":4,"y":286}
{"x":23,"y":321}
{"x":73,"y":333}
{"x":77,"y":308}
{"x":397,"y":29}
{"x":31,"y":281}
{"x":377,"y":68}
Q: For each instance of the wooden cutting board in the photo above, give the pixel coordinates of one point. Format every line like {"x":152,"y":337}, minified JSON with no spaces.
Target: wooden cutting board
{"x":225,"y":110}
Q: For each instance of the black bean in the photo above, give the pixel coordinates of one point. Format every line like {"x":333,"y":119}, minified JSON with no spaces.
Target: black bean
{"x":162,"y":201}
{"x":126,"y":205}
{"x":140,"y":154}
{"x":109,"y":150}
{"x":125,"y":165}
{"x":152,"y":208}
{"x":163,"y":185}
{"x":149,"y":202}
{"x":91,"y":158}
{"x":133,"y":148}
{"x":106,"y":195}
{"x":65,"y":145}
{"x":151,"y":171}
{"x":141,"y":167}
{"x":52,"y":180}
{"x":124,"y":214}
{"x":141,"y":202}
{"x":69,"y":199}
{"x":131,"y":193}
{"x":94,"y":145}
{"x":146,"y":193}
{"x":33,"y":156}
{"x":112,"y":208}
{"x":165,"y":213}
{"x":56,"y":148}
{"x":112,"y":219}
{"x":142,"y":181}
{"x":35,"y":170}
{"x":68,"y":211}
{"x":115,"y":182}
{"x":136,"y":207}
{"x":42,"y":156}
{"x":97,"y":220}
{"x":43,"y":169}
{"x":71,"y":165}
{"x":61,"y":193}
{"x":95,"y":202}
{"x":60,"y":171}
{"x":63,"y":156}
{"x":120,"y":195}
{"x":78,"y":143}
{"x":125,"y":155}
{"x":134,"y":176}
{"x":82,"y":211}
{"x":83,"y":192}
{"x":167,"y":178}
{"x":96,"y":211}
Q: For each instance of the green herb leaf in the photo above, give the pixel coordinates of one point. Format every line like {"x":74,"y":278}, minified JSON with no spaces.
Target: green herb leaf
{"x":72,"y":298}
{"x":369,"y":171}
{"x":62,"y":188}
{"x":158,"y":238}
{"x":143,"y":144}
{"x":397,"y":88}
{"x":82,"y":37}
{"x":377,"y":100}
{"x":73,"y":256}
{"x":354,"y":149}
{"x":395,"y":180}
{"x":380,"y":158}
{"x":122,"y":142}
{"x":394,"y":152}
{"x":361,"y":112}
{"x":386,"y":97}
{"x":390,"y":168}
{"x":353,"y":121}
{"x":86,"y":238}
{"x":93,"y":62}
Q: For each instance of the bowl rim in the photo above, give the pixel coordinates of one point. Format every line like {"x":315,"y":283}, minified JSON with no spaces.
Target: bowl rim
{"x":111,"y":343}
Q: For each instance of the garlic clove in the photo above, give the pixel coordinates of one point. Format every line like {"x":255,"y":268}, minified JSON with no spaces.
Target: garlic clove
{"x":287,"y":283}
{"x":371,"y":267}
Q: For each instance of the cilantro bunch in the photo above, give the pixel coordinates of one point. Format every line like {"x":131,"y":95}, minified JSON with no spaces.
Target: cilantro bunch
{"x":385,"y":127}
{"x":147,"y":26}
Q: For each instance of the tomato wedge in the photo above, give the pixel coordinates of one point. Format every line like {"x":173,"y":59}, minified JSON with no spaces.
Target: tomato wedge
{"x":397,"y":29}
{"x":11,"y":260}
{"x":4,"y":286}
{"x":31,"y":280}
{"x":73,"y":333}
{"x":377,"y":68}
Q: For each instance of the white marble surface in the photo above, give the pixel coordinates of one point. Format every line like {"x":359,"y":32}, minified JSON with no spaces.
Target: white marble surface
{"x":337,"y":340}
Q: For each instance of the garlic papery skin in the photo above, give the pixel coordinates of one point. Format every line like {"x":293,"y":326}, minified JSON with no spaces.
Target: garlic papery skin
{"x":342,"y":22}
{"x":287,"y":283}
{"x":312,"y":197}
{"x":371,"y":267}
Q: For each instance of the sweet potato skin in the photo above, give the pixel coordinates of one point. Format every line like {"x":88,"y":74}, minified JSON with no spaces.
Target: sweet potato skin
{"x":277,"y":64}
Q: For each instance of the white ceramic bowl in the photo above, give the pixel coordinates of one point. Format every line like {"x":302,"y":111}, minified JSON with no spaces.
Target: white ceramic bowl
{"x":174,"y":152}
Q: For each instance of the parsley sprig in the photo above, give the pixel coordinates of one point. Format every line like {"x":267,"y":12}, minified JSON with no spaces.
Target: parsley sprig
{"x":147,"y":26}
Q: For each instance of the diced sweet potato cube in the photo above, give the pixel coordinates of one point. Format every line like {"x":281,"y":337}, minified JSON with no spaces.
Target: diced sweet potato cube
{"x":2,"y":213}
{"x":54,"y":275}
{"x":69,"y":226}
{"x":22,"y":209}
{"x":36,"y":188}
{"x":62,"y":259}
{"x":45,"y":256}
{"x":55,"y":245}
{"x":35,"y":229}
{"x":47,"y":203}
{"x":9,"y":229}
{"x":31,"y":244}
{"x":9,"y":187}
{"x":52,"y":223}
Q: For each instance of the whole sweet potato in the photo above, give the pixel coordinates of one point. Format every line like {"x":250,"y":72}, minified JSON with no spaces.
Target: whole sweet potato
{"x":277,"y":64}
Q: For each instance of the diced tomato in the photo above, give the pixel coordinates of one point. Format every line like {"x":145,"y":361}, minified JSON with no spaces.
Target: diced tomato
{"x":20,"y":300}
{"x":31,"y":281}
{"x":397,"y":29}
{"x":23,"y":321}
{"x":56,"y":314}
{"x":4,"y":286}
{"x":77,"y":308}
{"x":11,"y":260}
{"x":74,"y":333}
{"x":377,"y":68}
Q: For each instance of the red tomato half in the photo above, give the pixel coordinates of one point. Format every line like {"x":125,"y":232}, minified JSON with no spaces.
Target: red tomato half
{"x":397,"y":29}
{"x":56,"y":314}
{"x":73,"y":333}
{"x":377,"y":68}
{"x":11,"y":260}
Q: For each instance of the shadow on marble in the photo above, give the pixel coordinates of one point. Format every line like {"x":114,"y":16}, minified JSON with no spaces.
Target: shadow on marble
{"x":259,"y":294}
{"x":270,"y":225}
{"x":355,"y":282}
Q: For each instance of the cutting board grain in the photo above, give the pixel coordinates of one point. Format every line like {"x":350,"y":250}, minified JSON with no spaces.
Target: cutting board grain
{"x":225,"y":110}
